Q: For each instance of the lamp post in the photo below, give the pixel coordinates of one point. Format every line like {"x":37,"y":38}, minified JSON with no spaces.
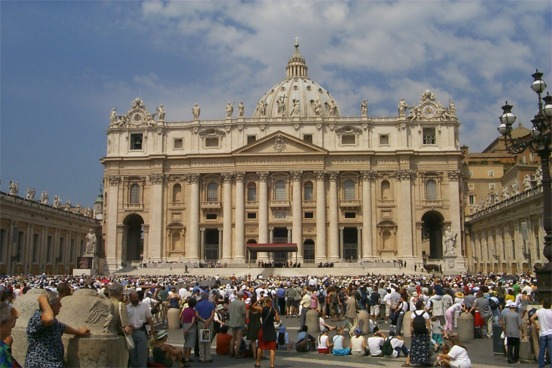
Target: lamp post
{"x":540,"y":142}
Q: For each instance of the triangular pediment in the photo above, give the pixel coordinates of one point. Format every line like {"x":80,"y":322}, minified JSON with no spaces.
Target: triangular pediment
{"x":279,"y":143}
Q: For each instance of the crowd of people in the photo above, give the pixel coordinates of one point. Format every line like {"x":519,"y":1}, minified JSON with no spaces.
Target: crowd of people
{"x":245,"y":316}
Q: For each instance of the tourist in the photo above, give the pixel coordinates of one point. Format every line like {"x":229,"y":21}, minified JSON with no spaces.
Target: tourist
{"x":483,"y":306}
{"x":397,"y":343}
{"x":253,"y":320}
{"x":8,"y":317}
{"x":44,"y":331}
{"x":375,"y":343}
{"x":305,"y":341}
{"x":419,"y":330}
{"x":224,"y":342}
{"x":338,"y":348}
{"x":457,"y":356}
{"x":450,"y":313}
{"x":166,"y":354}
{"x":189,"y":329}
{"x":544,"y":318}
{"x":267,"y":333}
{"x":512,"y":326}
{"x":236,"y":323}
{"x":283,"y":341}
{"x":324,"y":342}
{"x":138,"y":315}
{"x":205,"y":313}
{"x":358,"y":344}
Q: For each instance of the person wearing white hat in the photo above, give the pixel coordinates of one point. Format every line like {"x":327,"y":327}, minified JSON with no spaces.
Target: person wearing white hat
{"x":512,"y":325}
{"x":164,"y":353}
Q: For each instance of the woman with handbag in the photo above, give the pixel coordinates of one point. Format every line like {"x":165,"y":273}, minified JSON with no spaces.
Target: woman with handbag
{"x":267,"y":334}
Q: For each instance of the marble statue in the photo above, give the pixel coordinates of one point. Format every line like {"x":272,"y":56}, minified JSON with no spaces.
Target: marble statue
{"x":452,"y":108}
{"x":450,"y":241}
{"x":364,"y":108}
{"x":14,"y":188}
{"x":316,"y":106}
{"x":402,"y":108}
{"x":161,"y":112}
{"x":527,"y":182}
{"x":57,"y":201}
{"x":113,"y":116}
{"x":67,"y":206}
{"x":333,"y":108}
{"x":261,"y":107}
{"x":515,"y":187}
{"x":30,"y":194}
{"x":241,"y":109}
{"x":229,"y":109}
{"x":538,"y":176}
{"x":296,"y":108}
{"x":196,"y":110}
{"x":505,"y":193}
{"x":44,"y":197}
{"x":281,"y":103}
{"x":90,"y":243}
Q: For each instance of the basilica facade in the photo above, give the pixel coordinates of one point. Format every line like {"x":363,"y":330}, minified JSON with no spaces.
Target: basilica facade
{"x":296,"y":173}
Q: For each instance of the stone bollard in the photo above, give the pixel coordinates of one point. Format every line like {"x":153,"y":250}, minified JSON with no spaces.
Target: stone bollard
{"x":173,"y":318}
{"x":407,"y":320}
{"x":364,"y":321}
{"x":465,"y":325}
{"x":26,"y":305}
{"x":311,"y":320}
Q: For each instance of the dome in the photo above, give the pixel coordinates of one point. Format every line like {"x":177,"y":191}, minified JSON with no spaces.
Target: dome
{"x":296,"y":95}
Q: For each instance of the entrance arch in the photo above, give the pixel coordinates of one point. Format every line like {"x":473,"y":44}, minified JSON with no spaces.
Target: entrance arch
{"x":134,"y":239}
{"x":308,"y":251}
{"x":432,"y":225}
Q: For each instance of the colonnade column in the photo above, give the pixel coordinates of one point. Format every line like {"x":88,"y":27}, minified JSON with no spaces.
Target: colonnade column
{"x":367,"y":240}
{"x":112,"y":246}
{"x":239,"y":229}
{"x":454,"y":202}
{"x":297,"y":232}
{"x":153,"y":247}
{"x":43,"y":250}
{"x":320,"y":217}
{"x":334,"y":219}
{"x":227,"y":217}
{"x":263,"y":213}
{"x":406,"y":242}
{"x":192,"y":245}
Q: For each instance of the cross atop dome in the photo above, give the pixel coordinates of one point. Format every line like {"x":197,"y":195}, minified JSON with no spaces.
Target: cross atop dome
{"x":297,"y":67}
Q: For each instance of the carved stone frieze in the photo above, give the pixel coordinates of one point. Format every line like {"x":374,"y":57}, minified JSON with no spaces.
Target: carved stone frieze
{"x":279,"y":143}
{"x":157,"y":178}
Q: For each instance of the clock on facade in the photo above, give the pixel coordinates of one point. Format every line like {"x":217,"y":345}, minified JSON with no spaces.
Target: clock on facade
{"x":429,"y":111}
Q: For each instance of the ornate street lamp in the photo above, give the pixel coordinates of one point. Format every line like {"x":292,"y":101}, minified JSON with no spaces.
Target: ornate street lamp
{"x":540,"y":142}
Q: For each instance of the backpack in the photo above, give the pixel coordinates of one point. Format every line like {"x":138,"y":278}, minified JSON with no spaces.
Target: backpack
{"x":387,"y":348}
{"x":493,"y":304}
{"x":419,"y":323}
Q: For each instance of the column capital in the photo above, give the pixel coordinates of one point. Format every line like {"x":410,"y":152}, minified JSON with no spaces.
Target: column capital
{"x":333,"y":175}
{"x":239,"y":176}
{"x":296,"y":175}
{"x":192,"y":178}
{"x":227,"y":177}
{"x":454,"y":175}
{"x":368,"y":175}
{"x":404,"y":175}
{"x":263,"y":175}
{"x":320,"y":175}
{"x":114,"y":179}
{"x":156,"y":178}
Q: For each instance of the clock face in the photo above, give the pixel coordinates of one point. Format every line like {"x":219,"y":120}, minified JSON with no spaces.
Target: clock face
{"x":428,"y":111}
{"x":137,"y":118}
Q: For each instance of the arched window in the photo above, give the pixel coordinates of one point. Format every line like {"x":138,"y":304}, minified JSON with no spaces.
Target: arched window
{"x":349,"y":190}
{"x":134,"y":194}
{"x":385,"y":190}
{"x":212,"y":192}
{"x":177,"y":193}
{"x":280,"y":190}
{"x":431,"y":190}
{"x":252,"y":192}
{"x":308,"y":191}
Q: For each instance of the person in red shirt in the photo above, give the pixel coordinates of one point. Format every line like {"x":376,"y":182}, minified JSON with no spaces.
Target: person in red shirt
{"x":223,"y":341}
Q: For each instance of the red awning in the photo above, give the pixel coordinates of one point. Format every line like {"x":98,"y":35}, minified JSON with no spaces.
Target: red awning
{"x":272,"y":247}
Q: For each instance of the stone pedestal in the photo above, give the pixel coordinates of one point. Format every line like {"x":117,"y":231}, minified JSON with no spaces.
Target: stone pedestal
{"x":454,"y":265}
{"x":311,"y":320}
{"x":86,"y":265}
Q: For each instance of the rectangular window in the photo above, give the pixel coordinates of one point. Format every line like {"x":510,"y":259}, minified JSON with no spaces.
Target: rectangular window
{"x":429,"y":135}
{"x":178,"y":143}
{"x":136,"y":141}
{"x":211,"y":216}
{"x":251,"y":215}
{"x":307,"y":138}
{"x":384,"y":139}
{"x":348,"y":139}
{"x":309,"y":215}
{"x":471,"y":199}
{"x":251,"y":139}
{"x":350,"y":215}
{"x":490,"y":173}
{"x":211,"y":142}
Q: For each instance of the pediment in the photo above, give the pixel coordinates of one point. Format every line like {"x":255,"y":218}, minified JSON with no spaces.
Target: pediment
{"x":280,"y":143}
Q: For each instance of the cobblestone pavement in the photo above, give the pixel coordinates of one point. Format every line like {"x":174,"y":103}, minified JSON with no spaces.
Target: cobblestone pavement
{"x":480,"y":351}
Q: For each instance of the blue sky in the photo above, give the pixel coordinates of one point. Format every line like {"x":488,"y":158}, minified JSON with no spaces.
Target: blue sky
{"x":65,"y":65}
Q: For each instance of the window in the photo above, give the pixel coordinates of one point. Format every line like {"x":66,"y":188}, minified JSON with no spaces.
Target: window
{"x":471,"y":199}
{"x":251,"y":215}
{"x":308,"y":191}
{"x":384,"y":139}
{"x":211,"y":142}
{"x":491,"y":186}
{"x":431,"y":190}
{"x":212,"y":192}
{"x":134,"y":194}
{"x":178,"y":143}
{"x":307,"y":138}
{"x":251,"y":192}
{"x":348,"y":139}
{"x":251,"y":139}
{"x":349,"y":190}
{"x":309,"y":215}
{"x":211,"y":216}
{"x":136,"y":141}
{"x":280,"y":190}
{"x":429,"y":135}
{"x":490,"y":173}
{"x":350,"y":215}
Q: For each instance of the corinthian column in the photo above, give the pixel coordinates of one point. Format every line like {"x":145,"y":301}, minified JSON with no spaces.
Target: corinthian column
{"x":297,"y":232}
{"x":405,"y":219}
{"x":239,"y":230}
{"x":367,"y":241}
{"x":321,"y":255}
{"x":454,"y":200}
{"x":227,"y":217}
{"x":334,"y":219}
{"x":263,"y":213}
{"x":152,"y":248}
{"x":192,"y":245}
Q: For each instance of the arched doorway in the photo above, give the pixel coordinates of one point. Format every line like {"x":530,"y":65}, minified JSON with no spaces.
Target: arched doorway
{"x":308,"y":251}
{"x":432,"y":236}
{"x":134,"y":247}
